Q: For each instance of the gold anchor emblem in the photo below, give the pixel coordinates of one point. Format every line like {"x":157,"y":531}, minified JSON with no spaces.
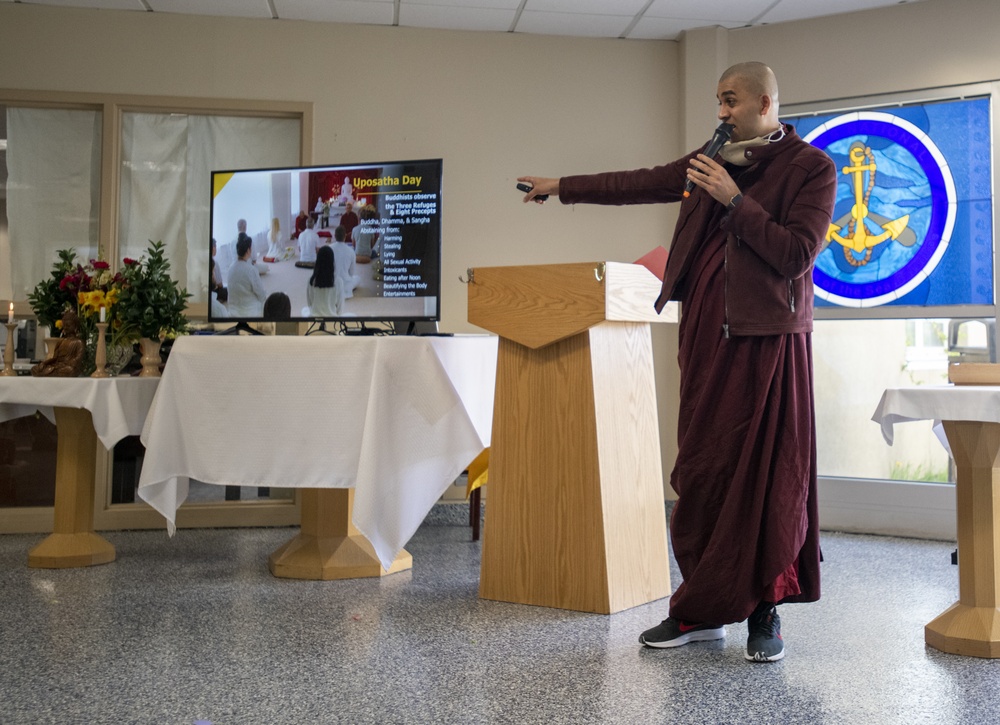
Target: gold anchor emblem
{"x":858,"y":239}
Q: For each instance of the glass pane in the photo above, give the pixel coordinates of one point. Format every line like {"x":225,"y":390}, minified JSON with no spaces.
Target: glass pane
{"x":49,"y":191}
{"x":27,"y":462}
{"x":854,"y":362}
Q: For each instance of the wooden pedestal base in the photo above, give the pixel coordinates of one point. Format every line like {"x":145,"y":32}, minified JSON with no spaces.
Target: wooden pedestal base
{"x":971,"y":626}
{"x":328,"y":545}
{"x":73,"y":542}
{"x":962,"y":630}
{"x":64,"y":551}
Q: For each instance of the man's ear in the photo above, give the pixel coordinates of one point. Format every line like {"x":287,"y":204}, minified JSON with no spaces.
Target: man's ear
{"x":765,"y":105}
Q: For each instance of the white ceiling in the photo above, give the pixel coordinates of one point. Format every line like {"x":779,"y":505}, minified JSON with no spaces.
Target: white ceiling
{"x":642,"y":19}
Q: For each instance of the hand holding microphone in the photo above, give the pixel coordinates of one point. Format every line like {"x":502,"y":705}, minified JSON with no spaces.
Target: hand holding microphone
{"x":719,"y":138}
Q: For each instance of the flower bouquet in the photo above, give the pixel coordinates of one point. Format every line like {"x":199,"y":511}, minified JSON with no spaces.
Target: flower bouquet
{"x":92,"y":290}
{"x":139,"y":301}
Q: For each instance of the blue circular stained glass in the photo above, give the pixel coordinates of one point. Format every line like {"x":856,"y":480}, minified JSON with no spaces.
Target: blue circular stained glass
{"x":895,"y":209}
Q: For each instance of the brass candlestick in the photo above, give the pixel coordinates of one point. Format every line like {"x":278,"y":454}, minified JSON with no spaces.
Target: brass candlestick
{"x":101,"y":353}
{"x":8,"y":350}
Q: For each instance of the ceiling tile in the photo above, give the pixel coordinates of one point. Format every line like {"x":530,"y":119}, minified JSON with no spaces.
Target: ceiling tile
{"x":376,"y":12}
{"x":587,"y":7}
{"x":711,"y":11}
{"x":99,"y":4}
{"x":456,"y":18}
{"x":578,"y":24}
{"x":230,"y":8}
{"x":801,"y":9}
{"x":491,"y":4}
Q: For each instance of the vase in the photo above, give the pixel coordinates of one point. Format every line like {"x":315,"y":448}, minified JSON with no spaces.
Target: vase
{"x":150,"y":358}
{"x":50,"y":346}
{"x":118,"y":357}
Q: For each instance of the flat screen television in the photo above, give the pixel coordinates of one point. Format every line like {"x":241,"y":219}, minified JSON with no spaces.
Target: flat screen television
{"x":388,"y":261}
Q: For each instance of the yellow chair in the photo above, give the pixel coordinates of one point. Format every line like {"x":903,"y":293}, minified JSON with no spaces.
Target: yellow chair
{"x":478,"y":475}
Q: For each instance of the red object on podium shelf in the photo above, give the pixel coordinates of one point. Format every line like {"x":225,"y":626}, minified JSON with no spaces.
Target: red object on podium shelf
{"x":655,"y":261}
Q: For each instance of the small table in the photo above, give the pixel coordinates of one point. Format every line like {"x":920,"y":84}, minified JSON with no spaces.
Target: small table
{"x":84,"y":410}
{"x":971,"y":418}
{"x":373,"y":428}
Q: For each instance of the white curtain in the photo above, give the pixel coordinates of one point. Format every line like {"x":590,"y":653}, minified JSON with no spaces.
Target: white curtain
{"x":167,"y":160}
{"x":53,"y":192}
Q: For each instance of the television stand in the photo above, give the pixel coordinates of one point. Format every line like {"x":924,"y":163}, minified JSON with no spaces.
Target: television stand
{"x":238,"y":328}
{"x":318,"y":328}
{"x":363,"y":330}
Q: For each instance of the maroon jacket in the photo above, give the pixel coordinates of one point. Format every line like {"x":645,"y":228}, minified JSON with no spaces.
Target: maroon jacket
{"x":772,"y":237}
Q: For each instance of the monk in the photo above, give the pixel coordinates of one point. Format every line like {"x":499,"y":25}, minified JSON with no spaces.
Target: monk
{"x":744,"y":529}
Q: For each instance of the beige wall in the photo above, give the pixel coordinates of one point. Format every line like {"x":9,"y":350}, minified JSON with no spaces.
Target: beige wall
{"x":493,"y":105}
{"x":497,"y":105}
{"x":905,"y":47}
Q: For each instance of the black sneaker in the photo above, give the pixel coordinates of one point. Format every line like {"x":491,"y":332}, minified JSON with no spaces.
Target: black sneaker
{"x":673,"y":633}
{"x":764,"y":643}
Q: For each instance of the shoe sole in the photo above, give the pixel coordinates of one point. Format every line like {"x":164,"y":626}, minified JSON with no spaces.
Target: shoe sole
{"x":704,"y":635}
{"x":761,"y":657}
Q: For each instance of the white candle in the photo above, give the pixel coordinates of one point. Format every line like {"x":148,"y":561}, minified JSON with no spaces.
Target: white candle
{"x":102,"y":313}
{"x":10,"y":314}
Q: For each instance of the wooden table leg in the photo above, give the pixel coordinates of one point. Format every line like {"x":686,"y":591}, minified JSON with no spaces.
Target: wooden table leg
{"x":971,"y":626}
{"x":328,"y":545}
{"x":73,"y":542}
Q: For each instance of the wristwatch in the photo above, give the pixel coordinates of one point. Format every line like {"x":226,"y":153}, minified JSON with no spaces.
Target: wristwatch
{"x":737,"y":198}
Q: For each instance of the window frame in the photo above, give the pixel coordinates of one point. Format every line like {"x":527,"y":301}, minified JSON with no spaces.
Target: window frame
{"x":281,"y":512}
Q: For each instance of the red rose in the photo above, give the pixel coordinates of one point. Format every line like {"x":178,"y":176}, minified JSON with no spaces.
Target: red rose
{"x":129,"y":261}
{"x":98,"y":264}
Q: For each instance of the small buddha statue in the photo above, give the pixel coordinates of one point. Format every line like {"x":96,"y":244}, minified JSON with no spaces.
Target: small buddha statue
{"x":66,"y":360}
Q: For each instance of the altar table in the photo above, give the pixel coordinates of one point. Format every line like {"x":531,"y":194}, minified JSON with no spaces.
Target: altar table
{"x":85,"y":410}
{"x":374,"y":428}
{"x":971,"y":419}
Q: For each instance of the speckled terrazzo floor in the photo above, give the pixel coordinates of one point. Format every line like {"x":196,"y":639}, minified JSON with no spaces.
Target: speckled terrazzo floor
{"x":195,"y":629}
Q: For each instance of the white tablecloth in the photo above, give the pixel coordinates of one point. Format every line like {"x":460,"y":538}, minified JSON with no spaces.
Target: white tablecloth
{"x":937,"y":402}
{"x":117,"y":405}
{"x":396,"y":418}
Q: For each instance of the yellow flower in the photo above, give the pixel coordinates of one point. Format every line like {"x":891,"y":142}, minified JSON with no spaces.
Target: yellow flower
{"x":90,"y":302}
{"x":58,"y":324}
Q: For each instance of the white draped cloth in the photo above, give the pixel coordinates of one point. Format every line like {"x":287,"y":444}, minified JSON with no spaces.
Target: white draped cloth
{"x":937,"y":403}
{"x":396,"y":418}
{"x":118,"y":406}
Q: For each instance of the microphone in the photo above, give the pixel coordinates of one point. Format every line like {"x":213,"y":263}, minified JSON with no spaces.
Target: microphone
{"x":719,"y":138}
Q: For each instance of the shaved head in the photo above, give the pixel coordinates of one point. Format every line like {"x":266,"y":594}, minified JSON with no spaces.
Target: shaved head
{"x":748,"y":100}
{"x":757,"y":77}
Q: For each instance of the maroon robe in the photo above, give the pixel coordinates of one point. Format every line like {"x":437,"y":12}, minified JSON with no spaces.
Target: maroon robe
{"x":745,"y":527}
{"x":348,"y":221}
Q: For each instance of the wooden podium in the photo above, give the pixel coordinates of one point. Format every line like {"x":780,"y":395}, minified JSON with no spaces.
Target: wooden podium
{"x":575,"y":518}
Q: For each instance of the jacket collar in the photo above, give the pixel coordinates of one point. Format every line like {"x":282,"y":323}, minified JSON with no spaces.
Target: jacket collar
{"x":766,"y":152}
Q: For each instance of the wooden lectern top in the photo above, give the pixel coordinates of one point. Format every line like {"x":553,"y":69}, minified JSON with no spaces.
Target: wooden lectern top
{"x":537,"y":305}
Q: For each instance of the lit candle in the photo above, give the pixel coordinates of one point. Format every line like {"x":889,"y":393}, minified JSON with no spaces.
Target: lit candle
{"x":10,"y":314}
{"x":102,"y":313}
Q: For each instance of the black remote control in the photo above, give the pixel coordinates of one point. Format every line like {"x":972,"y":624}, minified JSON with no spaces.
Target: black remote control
{"x":525,"y":188}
